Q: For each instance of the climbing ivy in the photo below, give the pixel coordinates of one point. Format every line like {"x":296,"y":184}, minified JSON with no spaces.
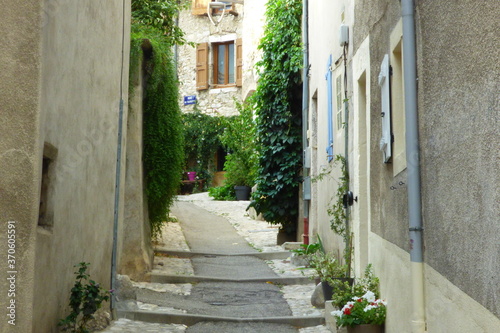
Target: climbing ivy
{"x":163,"y":140}
{"x":278,"y":108}
{"x":201,"y":141}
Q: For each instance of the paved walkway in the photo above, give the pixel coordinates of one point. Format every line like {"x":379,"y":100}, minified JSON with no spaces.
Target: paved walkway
{"x":220,"y":292}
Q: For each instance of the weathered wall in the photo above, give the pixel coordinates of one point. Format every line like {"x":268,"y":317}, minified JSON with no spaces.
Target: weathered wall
{"x":199,"y":30}
{"x":20,"y":160}
{"x":459,"y":72}
{"x":81,"y":71}
{"x":136,"y":257}
{"x":458,"y":120}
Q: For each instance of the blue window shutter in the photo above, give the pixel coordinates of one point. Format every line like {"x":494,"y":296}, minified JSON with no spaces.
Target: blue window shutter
{"x":329,"y":147}
{"x":383,"y":81}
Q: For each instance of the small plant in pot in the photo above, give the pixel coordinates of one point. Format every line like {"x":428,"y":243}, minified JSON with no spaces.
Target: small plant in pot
{"x":330,"y":271}
{"x":302,"y":255}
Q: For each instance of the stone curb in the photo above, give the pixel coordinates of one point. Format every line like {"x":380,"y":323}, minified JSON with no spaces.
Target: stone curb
{"x":192,"y":319}
{"x":260,"y":255}
{"x":163,"y":278}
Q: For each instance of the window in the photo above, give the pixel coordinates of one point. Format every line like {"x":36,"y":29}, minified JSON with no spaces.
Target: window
{"x":45,"y":213}
{"x":227,"y":65}
{"x":224,"y":63}
{"x":338,"y":86}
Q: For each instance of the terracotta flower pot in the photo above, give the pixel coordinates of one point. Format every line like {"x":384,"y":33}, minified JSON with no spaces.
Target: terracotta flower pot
{"x":370,"y":328}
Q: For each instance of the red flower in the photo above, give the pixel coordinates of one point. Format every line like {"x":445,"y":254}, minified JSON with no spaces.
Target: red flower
{"x":347,"y":311}
{"x":360,"y":300}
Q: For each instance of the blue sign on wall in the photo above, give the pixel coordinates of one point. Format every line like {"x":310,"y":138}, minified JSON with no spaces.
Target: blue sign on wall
{"x":189,"y":100}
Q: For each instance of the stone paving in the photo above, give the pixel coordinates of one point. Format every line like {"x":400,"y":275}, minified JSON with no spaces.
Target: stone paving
{"x":259,"y":234}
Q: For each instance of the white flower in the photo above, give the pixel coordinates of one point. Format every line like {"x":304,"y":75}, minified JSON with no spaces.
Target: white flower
{"x":369,"y":307}
{"x":369,"y":296}
{"x":355,"y":298}
{"x":337,"y":313}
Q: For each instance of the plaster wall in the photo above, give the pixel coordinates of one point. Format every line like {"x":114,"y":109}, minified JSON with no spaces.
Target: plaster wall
{"x":20,"y":160}
{"x":321,"y":46}
{"x":253,"y":28}
{"x":199,"y":29}
{"x":448,"y":308}
{"x":83,"y":79}
{"x":459,"y":112}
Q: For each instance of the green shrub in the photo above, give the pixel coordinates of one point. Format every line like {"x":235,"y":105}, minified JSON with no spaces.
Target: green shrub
{"x":223,"y":193}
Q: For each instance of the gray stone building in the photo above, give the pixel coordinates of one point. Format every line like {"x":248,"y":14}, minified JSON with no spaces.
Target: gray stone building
{"x":219,"y":69}
{"x":453,"y":284}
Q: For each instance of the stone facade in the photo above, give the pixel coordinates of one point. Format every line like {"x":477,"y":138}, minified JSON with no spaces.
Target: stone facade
{"x":199,"y":29}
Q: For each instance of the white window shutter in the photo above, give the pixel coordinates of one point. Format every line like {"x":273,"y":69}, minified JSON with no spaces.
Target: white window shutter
{"x":384,"y":83}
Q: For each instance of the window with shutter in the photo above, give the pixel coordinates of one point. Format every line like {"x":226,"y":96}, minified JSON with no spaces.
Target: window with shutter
{"x":239,"y":62}
{"x":202,"y":66}
{"x":384,"y":83}
{"x":329,"y":147}
{"x":224,"y":64}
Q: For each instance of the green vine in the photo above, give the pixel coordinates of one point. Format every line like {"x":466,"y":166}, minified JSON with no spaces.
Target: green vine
{"x":337,"y":210}
{"x":163,"y":139}
{"x":201,"y":141}
{"x":278,"y":108}
{"x":238,"y":138}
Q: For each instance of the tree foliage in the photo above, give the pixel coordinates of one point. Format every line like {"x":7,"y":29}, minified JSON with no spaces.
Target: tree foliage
{"x":278,"y":107}
{"x":160,"y":15}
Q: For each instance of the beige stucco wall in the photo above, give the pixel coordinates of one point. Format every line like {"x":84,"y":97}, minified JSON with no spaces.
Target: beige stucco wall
{"x":321,"y":46}
{"x":20,"y":161}
{"x":80,"y":99}
{"x":458,"y":129}
{"x":448,"y":309}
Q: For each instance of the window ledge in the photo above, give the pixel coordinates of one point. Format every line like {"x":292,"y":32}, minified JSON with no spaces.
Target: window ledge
{"x":217,"y":90}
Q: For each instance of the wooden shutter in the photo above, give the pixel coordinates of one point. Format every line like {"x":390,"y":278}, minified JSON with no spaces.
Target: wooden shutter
{"x":202,"y":66}
{"x":199,"y":7}
{"x":383,"y":81}
{"x":239,"y":62}
{"x":329,"y":93}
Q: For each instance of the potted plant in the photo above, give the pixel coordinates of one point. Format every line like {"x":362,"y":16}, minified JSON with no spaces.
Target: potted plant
{"x":330,"y":271}
{"x":302,"y":255}
{"x":365,"y":314}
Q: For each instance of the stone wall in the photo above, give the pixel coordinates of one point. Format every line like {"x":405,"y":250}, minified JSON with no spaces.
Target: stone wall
{"x":199,"y":29}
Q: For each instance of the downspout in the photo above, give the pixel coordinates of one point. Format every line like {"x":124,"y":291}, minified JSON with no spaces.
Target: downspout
{"x":348,"y":237}
{"x":305,"y":118}
{"x":114,"y":252}
{"x":418,"y":324}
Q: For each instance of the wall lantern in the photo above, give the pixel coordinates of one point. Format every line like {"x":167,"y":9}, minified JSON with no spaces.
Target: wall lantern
{"x":216,"y":5}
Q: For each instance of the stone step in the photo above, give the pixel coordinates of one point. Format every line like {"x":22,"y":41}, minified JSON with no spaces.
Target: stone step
{"x":164,"y":278}
{"x":192,"y":319}
{"x":190,"y":254}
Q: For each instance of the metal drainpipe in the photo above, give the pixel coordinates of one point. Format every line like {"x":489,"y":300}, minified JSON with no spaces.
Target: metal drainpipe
{"x":418,"y":324}
{"x":346,"y":153}
{"x":114,"y":251}
{"x":305,"y":109}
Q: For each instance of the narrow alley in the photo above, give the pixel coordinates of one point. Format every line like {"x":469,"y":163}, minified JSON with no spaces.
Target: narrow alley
{"x":217,"y":270}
